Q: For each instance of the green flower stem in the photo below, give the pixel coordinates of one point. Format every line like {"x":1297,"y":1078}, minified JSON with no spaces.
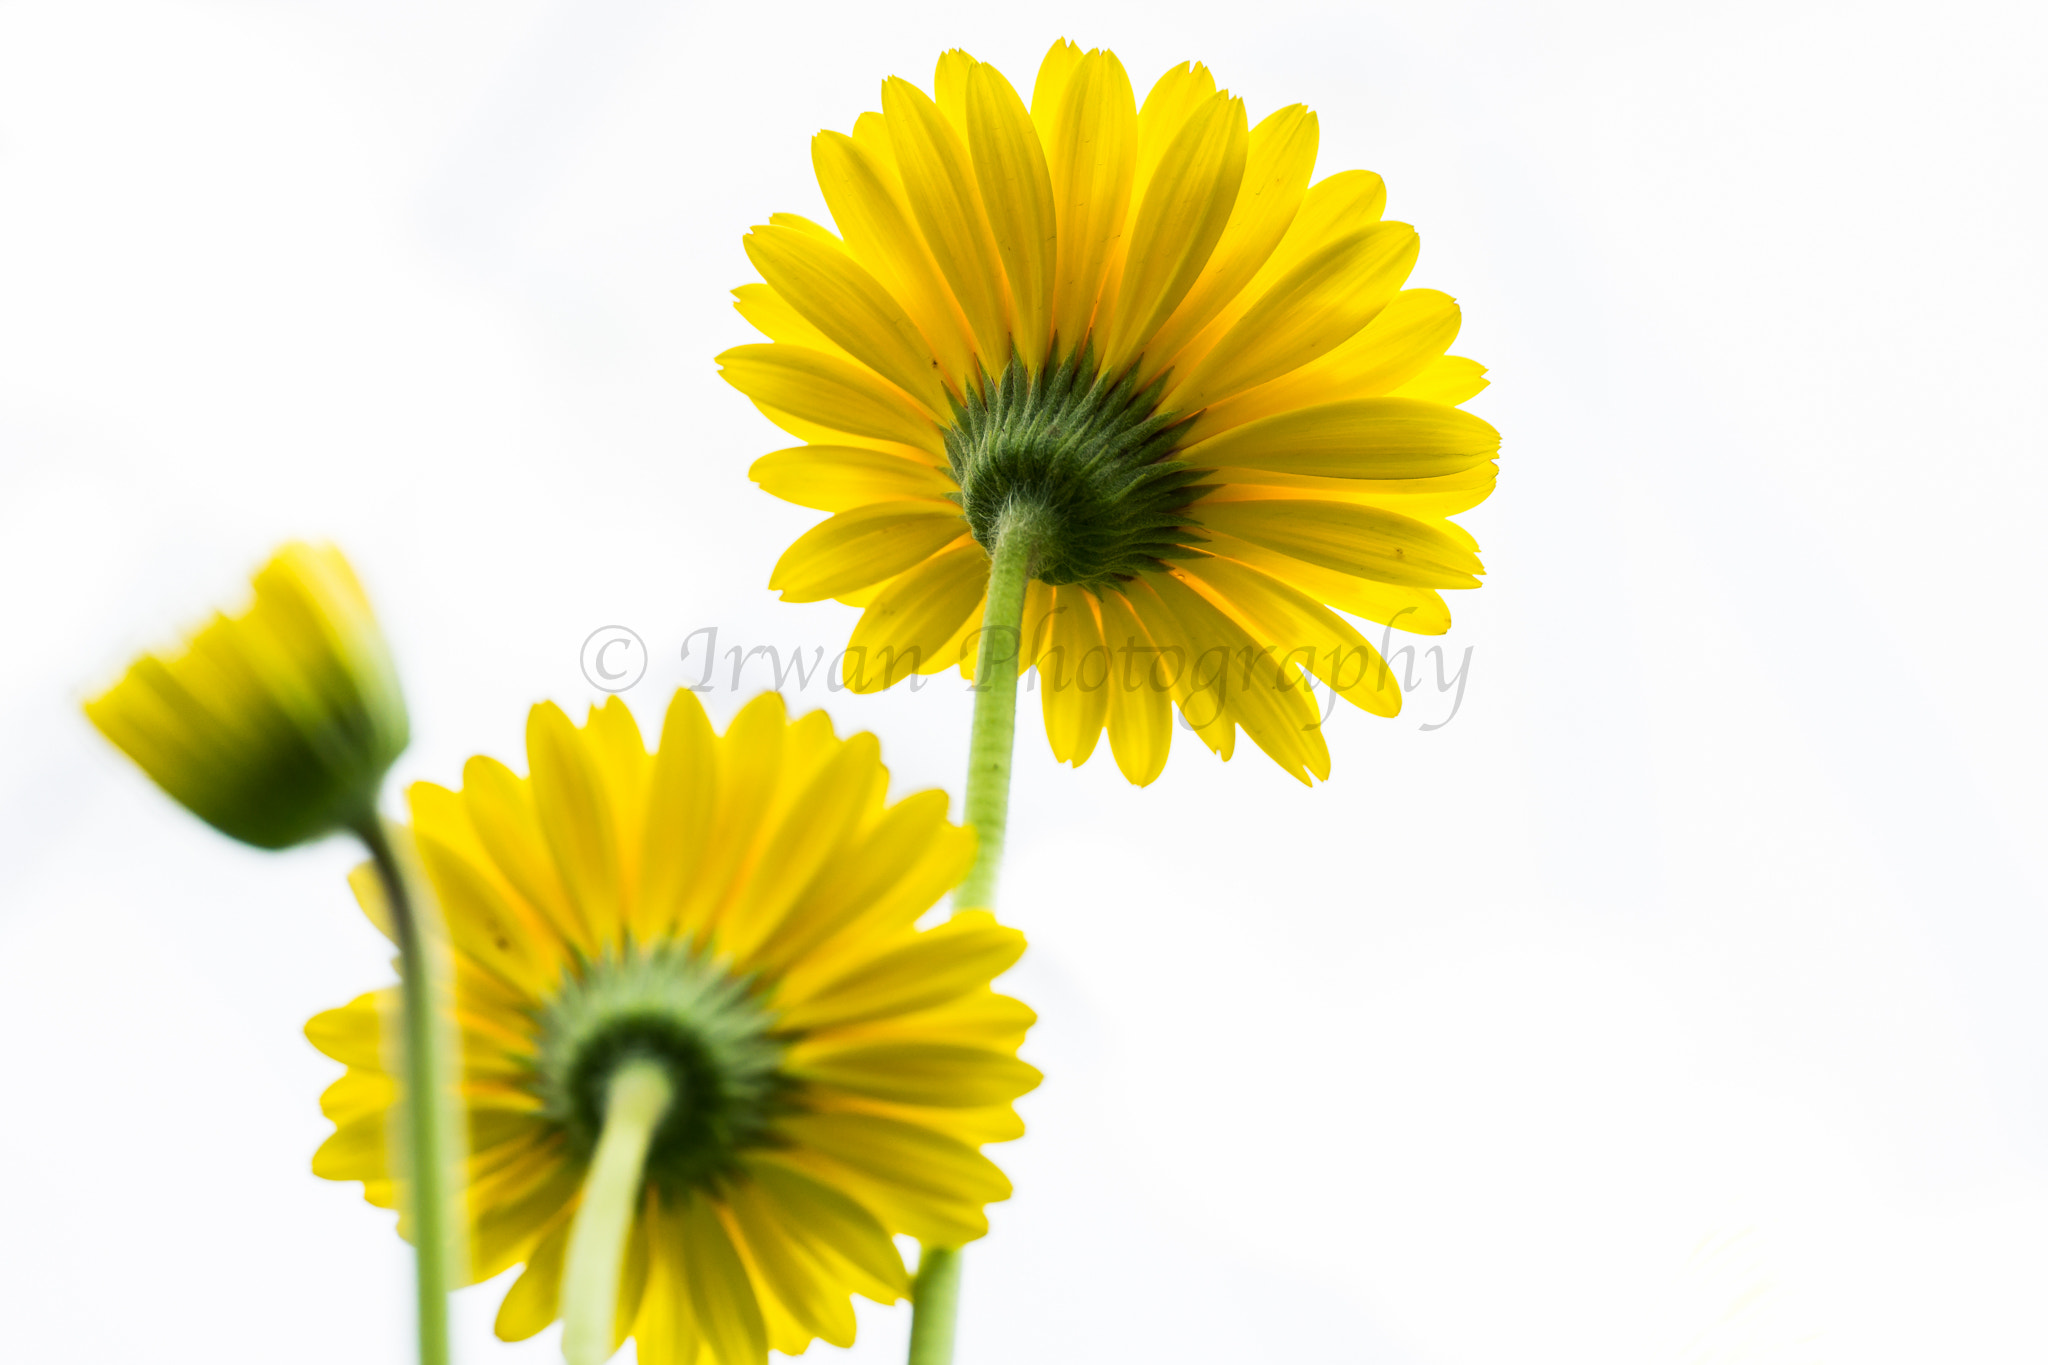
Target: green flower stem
{"x":431,"y":1120}
{"x":636,"y":1097}
{"x":995,"y":703}
{"x":935,"y":1296}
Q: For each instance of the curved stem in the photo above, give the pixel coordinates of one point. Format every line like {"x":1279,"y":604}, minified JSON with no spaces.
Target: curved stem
{"x":935,"y":1296}
{"x":636,"y":1097}
{"x":432,"y":1157}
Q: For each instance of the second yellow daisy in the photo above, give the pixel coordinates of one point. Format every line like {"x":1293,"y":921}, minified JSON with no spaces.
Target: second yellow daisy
{"x":711,"y":1066}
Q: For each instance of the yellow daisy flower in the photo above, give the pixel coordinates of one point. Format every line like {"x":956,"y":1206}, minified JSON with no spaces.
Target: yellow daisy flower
{"x":711,"y":1064}
{"x":1141,"y":342}
{"x":276,"y":726}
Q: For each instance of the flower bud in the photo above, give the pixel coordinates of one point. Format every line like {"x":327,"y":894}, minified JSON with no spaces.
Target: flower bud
{"x":276,"y":726}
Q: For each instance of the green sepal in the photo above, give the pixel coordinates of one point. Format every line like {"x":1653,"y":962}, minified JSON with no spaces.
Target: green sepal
{"x":1089,"y":456}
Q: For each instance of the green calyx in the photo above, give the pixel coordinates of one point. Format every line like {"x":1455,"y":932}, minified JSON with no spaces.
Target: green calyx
{"x":700,"y":1024}
{"x":1087,"y":459}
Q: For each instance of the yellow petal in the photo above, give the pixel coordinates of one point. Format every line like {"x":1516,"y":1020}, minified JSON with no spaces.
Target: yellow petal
{"x":633,"y":1277}
{"x":1047,"y":92}
{"x":832,"y":436}
{"x":1187,"y":666}
{"x":1016,"y":190}
{"x":508,"y":1175}
{"x":721,"y":1295}
{"x":859,"y":182}
{"x":861,"y":597}
{"x":1302,"y":631}
{"x":501,"y":811}
{"x":964,"y":644}
{"x":790,"y":1273}
{"x":1408,"y":336}
{"x":681,"y":811}
{"x":903,"y":1156}
{"x":497,"y":1046}
{"x":356,"y":1150}
{"x":770,"y":315}
{"x":1335,"y":206}
{"x":752,"y":757}
{"x":1354,"y":539}
{"x":1442,"y":495}
{"x":535,"y":1298}
{"x":840,"y":478}
{"x":974,"y":1126}
{"x":1074,"y":669}
{"x":1187,"y":202}
{"x":367,"y":885}
{"x":981,"y":1017}
{"x":1358,"y":438}
{"x":965,"y":952}
{"x":758,"y":805}
{"x":931,"y":1185}
{"x":871,"y":135}
{"x":938,"y":182}
{"x":490,"y":924}
{"x":842,"y":1235}
{"x":1090,"y":153}
{"x":797,"y":222}
{"x":906,"y":629}
{"x":894,"y":873}
{"x":665,"y":1333}
{"x":1173,"y":99}
{"x":949,"y":87}
{"x":1167,"y":106}
{"x":1402,"y":341}
{"x":1307,"y":313}
{"x":863,"y":546}
{"x":358,"y":1094}
{"x":810,"y":745}
{"x":1281,"y":155}
{"x":576,"y":820}
{"x":352,"y":1035}
{"x":947,"y":1075}
{"x":830,"y":289}
{"x":1448,"y":379}
{"x":807,"y":840}
{"x":618,"y":755}
{"x":1258,"y":680}
{"x":1036,"y":633}
{"x":1419,"y":611}
{"x":519,"y":1222}
{"x":1139,"y":716}
{"x":832,"y":392}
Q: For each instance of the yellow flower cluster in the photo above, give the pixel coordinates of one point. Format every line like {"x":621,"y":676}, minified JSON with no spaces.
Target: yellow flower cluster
{"x":1123,"y":384}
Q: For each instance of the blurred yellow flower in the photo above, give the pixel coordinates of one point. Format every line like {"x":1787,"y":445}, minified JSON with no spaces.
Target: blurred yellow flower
{"x":701,"y":968}
{"x":1141,"y":339}
{"x":276,"y":726}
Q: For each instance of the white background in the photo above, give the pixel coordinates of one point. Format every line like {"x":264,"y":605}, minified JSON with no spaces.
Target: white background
{"x":1681,"y":1000}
